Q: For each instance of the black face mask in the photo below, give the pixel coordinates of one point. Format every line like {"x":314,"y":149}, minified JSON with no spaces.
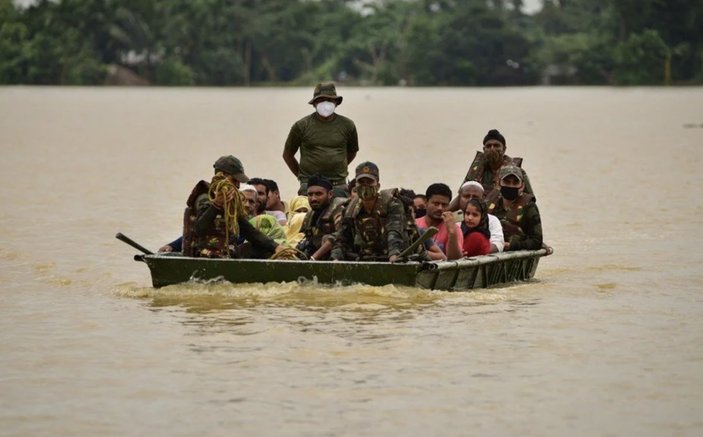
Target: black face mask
{"x":509,"y":193}
{"x":420,"y":212}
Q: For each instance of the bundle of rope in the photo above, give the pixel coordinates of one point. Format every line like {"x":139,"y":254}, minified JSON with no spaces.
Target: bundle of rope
{"x":289,"y":253}
{"x":233,"y":209}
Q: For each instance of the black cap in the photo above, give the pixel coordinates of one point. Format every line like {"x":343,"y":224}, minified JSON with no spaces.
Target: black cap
{"x":493,"y":134}
{"x":231,"y":166}
{"x":320,"y":181}
{"x":367,"y":170}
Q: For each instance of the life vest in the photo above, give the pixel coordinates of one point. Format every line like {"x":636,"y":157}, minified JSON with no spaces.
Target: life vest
{"x":477,"y":171}
{"x":512,"y":218}
{"x":325,"y":225}
{"x":212,"y":245}
{"x":370,"y":239}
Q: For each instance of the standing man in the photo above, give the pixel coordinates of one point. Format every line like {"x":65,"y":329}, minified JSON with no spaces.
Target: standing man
{"x":327,"y":141}
{"x":449,"y":237}
{"x":373,"y":227}
{"x":487,"y":164}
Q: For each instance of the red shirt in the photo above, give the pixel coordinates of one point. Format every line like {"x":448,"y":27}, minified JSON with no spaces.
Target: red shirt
{"x":475,"y":243}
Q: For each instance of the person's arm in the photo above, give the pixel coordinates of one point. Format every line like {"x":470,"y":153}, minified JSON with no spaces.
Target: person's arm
{"x":341,"y":239}
{"x":395,"y":227}
{"x":291,"y":148}
{"x":322,"y":252}
{"x":532,"y":240}
{"x":207,"y":212}
{"x":352,"y":144}
{"x":174,"y":246}
{"x":455,"y":239}
{"x":497,"y":239}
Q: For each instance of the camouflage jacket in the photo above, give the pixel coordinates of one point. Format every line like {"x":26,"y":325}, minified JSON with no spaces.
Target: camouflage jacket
{"x":204,"y":233}
{"x":320,"y":226}
{"x":374,"y":235}
{"x":522,"y":225}
{"x":481,"y":172}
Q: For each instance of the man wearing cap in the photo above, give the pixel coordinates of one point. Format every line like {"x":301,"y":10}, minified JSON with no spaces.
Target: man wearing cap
{"x":487,"y":164}
{"x":204,"y":225}
{"x":323,"y":221}
{"x":374,"y":223}
{"x":516,"y":210}
{"x":473,"y":190}
{"x":327,"y":142}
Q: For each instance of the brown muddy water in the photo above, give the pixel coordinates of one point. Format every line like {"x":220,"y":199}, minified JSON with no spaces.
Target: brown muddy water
{"x":607,"y":340}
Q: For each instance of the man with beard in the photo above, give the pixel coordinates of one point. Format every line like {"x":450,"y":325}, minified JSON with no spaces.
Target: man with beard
{"x":264,"y":223}
{"x":487,"y":164}
{"x":474,"y":190}
{"x":324,"y":219}
{"x":374,"y":224}
{"x":449,"y":237}
{"x":517,"y":211}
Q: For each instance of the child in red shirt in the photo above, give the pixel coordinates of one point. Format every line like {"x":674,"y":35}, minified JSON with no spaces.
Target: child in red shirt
{"x":475,"y":229}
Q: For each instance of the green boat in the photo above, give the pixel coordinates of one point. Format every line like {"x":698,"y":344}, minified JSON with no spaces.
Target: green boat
{"x":464,"y":274}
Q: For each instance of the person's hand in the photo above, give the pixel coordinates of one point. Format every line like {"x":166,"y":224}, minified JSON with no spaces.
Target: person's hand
{"x":448,"y":218}
{"x":221,"y":197}
{"x":393,"y":258}
{"x":507,"y":246}
{"x":165,"y":249}
{"x":279,"y":248}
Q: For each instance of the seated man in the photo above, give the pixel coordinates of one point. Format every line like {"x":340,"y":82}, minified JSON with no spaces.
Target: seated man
{"x":322,"y":223}
{"x":449,"y":237}
{"x":517,"y":211}
{"x":374,"y":224}
{"x":474,"y":190}
{"x":215,"y":216}
{"x":264,"y":223}
{"x":274,"y":205}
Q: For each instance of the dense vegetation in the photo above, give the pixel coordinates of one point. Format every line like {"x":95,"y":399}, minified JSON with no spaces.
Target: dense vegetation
{"x":384,"y":42}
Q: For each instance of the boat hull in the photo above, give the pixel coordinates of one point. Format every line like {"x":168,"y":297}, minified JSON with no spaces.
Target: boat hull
{"x":465,"y":274}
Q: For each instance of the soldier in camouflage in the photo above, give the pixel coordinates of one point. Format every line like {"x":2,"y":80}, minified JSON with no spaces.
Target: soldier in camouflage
{"x":517,"y":211}
{"x":323,"y":221}
{"x":374,"y":223}
{"x":486,"y":165}
{"x":204,"y":225}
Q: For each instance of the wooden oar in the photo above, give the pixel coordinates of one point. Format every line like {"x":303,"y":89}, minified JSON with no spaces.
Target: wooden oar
{"x":429,"y":233}
{"x":120,"y":236}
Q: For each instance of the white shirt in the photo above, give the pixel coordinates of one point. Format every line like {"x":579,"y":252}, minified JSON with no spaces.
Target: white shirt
{"x":496,"y":230}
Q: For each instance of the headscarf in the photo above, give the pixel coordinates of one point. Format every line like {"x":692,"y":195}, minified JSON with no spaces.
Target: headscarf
{"x":482,"y":224}
{"x":269,"y":226}
{"x":295,"y":224}
{"x":297,"y":203}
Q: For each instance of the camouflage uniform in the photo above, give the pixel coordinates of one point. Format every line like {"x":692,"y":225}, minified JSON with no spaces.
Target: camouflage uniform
{"x":375,"y":235}
{"x":321,"y":226}
{"x":522,"y":225}
{"x":481,"y":172}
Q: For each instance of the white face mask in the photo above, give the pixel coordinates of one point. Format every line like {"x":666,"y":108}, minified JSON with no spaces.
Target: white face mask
{"x":325,"y":109}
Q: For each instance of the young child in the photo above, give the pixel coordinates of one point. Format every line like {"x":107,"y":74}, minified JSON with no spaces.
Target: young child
{"x":475,"y":229}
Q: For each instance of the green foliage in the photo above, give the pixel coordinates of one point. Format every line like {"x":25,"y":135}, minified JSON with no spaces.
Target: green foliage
{"x":381,"y":42}
{"x":640,"y":59}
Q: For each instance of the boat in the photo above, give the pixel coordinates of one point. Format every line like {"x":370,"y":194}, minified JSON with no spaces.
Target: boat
{"x":463,"y":274}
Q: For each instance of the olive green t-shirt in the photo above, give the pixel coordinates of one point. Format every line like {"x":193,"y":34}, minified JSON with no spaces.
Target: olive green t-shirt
{"x":323,"y":146}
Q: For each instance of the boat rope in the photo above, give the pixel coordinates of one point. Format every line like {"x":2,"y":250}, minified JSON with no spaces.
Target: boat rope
{"x":232,"y":209}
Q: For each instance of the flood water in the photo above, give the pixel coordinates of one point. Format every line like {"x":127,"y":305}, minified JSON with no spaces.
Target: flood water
{"x":606,"y":340}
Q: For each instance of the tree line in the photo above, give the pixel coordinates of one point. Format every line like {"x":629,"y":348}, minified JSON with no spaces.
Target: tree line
{"x":382,"y":42}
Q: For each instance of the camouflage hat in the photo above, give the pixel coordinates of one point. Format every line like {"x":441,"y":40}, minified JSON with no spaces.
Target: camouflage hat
{"x":509,"y":170}
{"x":325,"y":90}
{"x":367,"y":170}
{"x":231,"y":166}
